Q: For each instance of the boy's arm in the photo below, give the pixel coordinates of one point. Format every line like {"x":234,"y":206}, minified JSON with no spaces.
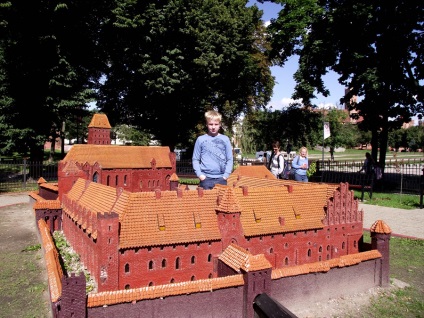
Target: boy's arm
{"x":229,"y":158}
{"x":196,"y":159}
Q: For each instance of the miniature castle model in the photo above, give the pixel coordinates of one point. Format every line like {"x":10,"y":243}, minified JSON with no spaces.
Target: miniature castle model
{"x":157,"y":252}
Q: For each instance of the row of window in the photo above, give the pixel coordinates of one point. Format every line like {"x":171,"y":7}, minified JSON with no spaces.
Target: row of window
{"x":151,"y":184}
{"x":151,"y":265}
{"x":172,"y":281}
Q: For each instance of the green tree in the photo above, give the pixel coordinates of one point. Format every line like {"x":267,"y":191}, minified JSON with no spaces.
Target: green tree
{"x":170,"y":61}
{"x":132,"y":136}
{"x":48,"y":68}
{"x":298,"y":125}
{"x":375,"y":46}
{"x":343,"y":134}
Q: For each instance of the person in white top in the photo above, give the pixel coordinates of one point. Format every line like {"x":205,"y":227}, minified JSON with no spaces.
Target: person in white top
{"x":276,"y":161}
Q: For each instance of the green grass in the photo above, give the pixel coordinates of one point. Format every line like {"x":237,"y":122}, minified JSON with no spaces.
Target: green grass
{"x":393,"y":200}
{"x":406,"y":265}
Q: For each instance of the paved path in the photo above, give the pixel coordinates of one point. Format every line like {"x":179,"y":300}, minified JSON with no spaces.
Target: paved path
{"x":405,"y":223}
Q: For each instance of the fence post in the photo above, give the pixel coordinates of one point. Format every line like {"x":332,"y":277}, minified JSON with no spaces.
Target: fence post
{"x":24,"y":172}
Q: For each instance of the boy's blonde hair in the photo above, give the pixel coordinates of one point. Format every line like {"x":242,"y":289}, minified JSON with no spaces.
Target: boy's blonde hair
{"x":213,"y":115}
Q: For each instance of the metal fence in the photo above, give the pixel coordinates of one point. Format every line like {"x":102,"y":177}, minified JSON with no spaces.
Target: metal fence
{"x":405,"y":176}
{"x":23,"y":175}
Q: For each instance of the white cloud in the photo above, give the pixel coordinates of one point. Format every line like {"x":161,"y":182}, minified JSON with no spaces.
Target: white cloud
{"x":283,"y":103}
{"x":326,"y":105}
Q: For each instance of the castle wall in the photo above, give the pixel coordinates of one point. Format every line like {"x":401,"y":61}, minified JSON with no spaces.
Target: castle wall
{"x":294,"y":292}
{"x":53,"y":218}
{"x":142,"y":267}
{"x":48,"y":194}
{"x":297,"y":292}
{"x":227,"y":302}
{"x":136,"y":180}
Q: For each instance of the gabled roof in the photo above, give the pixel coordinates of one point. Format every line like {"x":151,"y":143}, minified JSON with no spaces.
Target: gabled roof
{"x":99,"y":121}
{"x":169,"y":217}
{"x":238,"y":258}
{"x":259,"y":171}
{"x":271,"y":210}
{"x":126,"y":157}
{"x":238,"y":180}
{"x":93,"y":197}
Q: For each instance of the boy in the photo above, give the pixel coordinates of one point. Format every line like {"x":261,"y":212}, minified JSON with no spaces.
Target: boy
{"x":212,"y":154}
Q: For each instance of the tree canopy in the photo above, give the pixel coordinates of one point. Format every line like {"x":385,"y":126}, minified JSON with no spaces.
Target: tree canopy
{"x":375,"y":46}
{"x":154,"y":65}
{"x":170,"y":61}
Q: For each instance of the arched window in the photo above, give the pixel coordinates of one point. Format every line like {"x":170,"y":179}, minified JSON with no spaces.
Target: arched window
{"x":309,"y":252}
{"x":108,"y":180}
{"x":271,"y":250}
{"x":127,"y":268}
{"x":209,"y":258}
{"x":343,"y":245}
{"x":163,"y":263}
{"x":177,"y":263}
{"x":116,"y":180}
{"x":125,"y":180}
{"x":172,"y":281}
{"x":320,"y":249}
{"x":286,"y":261}
{"x":210,"y":275}
{"x":95,"y":177}
{"x":193,"y":259}
{"x":127,"y":286}
{"x":151,"y":284}
{"x":193,"y":278}
{"x":151,"y":265}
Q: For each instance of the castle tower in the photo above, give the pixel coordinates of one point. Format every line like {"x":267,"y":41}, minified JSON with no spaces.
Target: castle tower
{"x":107,"y":251}
{"x":99,"y":130}
{"x":380,"y":240}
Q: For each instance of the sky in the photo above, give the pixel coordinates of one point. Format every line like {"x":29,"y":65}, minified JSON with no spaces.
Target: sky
{"x":285,"y":83}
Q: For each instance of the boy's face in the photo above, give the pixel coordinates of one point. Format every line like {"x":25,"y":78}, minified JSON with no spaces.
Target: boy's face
{"x":213,"y":127}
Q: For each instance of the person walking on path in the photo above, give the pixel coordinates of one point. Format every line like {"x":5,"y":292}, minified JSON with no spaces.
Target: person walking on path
{"x":212,"y":155}
{"x":332,"y":153}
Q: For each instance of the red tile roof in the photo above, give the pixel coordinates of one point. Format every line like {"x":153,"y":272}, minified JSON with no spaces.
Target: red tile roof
{"x":238,"y":258}
{"x":99,"y":121}
{"x":115,"y":157}
{"x":171,"y":217}
{"x":259,"y":171}
{"x":325,"y":266}
{"x":380,"y":227}
{"x":163,"y":218}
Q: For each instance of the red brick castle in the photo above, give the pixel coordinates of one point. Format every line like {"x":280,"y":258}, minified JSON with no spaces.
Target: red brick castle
{"x":156,"y":249}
